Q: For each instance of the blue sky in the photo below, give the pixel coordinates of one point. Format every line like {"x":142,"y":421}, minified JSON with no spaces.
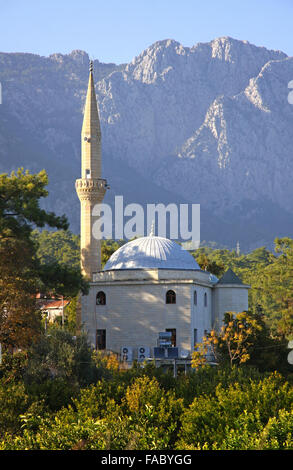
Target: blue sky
{"x":118,"y":30}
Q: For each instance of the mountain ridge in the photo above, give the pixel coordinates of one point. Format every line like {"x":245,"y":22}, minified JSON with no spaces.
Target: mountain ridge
{"x":208,"y":124}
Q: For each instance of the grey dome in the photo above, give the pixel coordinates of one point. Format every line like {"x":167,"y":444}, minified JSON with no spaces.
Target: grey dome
{"x":151,"y":252}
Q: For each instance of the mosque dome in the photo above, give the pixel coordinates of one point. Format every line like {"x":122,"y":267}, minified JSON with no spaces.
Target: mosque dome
{"x":151,"y":252}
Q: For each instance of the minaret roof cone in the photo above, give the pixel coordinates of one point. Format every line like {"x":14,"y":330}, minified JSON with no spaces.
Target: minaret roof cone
{"x":91,"y":121}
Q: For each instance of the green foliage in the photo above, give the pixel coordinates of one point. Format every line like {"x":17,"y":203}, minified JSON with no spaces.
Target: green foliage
{"x":210,"y":419}
{"x":62,"y":280}
{"x":71,"y":315}
{"x":63,"y":432}
{"x":61,"y":355}
{"x":13,"y":402}
{"x":154,"y":413}
{"x":235,"y":341}
{"x":270,"y":276}
{"x":20,"y":194}
{"x":205,"y":380}
{"x":147,"y":419}
{"x":209,"y":409}
{"x":19,"y":280}
{"x":58,"y":253}
{"x":207,"y":264}
{"x":274,"y":289}
{"x":108,"y":247}
{"x":22,"y":273}
{"x":58,"y":257}
{"x":250,"y":434}
{"x":62,"y":247}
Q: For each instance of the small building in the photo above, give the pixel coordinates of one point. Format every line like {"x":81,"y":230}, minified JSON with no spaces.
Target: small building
{"x":53,"y":308}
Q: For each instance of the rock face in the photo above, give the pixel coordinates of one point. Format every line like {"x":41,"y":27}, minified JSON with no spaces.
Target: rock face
{"x":210,"y":124}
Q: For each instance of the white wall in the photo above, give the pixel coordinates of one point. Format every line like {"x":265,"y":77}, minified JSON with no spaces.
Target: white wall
{"x":136,"y":311}
{"x":228,"y":298}
{"x":135,"y":314}
{"x":201,"y":314}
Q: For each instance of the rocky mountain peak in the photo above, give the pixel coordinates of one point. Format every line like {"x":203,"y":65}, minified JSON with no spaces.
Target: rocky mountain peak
{"x":208,"y":124}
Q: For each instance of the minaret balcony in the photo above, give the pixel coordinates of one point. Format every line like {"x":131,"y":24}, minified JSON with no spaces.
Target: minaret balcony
{"x":91,"y":188}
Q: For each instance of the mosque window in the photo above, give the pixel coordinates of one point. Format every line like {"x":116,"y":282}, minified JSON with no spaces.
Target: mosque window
{"x":101,"y":298}
{"x":100,"y":340}
{"x":173,"y":335}
{"x":205,"y":299}
{"x":195,"y":298}
{"x":170,"y":297}
{"x":194,"y":336}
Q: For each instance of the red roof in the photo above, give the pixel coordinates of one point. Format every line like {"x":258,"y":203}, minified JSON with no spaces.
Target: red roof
{"x":55,"y":304}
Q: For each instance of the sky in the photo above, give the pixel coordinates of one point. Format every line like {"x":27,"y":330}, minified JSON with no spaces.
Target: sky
{"x":118,"y":30}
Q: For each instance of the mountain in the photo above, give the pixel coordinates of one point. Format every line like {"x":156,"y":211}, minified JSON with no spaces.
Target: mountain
{"x":210,"y":124}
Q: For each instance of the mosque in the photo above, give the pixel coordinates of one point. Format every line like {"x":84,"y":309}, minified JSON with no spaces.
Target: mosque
{"x":151,"y":299}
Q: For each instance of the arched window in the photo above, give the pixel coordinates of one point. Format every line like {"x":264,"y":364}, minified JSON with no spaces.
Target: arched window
{"x":195,"y":298}
{"x":205,"y":299}
{"x":170,"y":297}
{"x":101,"y":298}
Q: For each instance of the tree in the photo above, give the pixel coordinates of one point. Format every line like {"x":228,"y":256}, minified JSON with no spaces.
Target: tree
{"x":22,"y":275}
{"x":61,"y":246}
{"x":20,"y":322}
{"x":237,"y":336}
{"x":241,"y":409}
{"x":234,"y":342}
{"x":199,"y":355}
{"x":108,"y":247}
{"x":212,"y":266}
{"x":20,"y":210}
{"x":59,"y":354}
{"x":270,"y":276}
{"x":277,"y":285}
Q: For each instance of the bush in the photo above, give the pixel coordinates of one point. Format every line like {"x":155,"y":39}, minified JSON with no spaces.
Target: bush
{"x":210,"y":419}
{"x":154,"y":413}
{"x":13,"y":402}
{"x":147,"y":418}
{"x":138,"y":409}
{"x":250,"y":434}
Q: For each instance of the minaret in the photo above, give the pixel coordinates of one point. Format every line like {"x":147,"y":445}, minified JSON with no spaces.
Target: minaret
{"x":90,"y":187}
{"x":238,"y":249}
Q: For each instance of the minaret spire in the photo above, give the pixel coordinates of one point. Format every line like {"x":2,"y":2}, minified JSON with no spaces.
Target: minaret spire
{"x":90,"y":187}
{"x":91,"y":133}
{"x":152,"y":232}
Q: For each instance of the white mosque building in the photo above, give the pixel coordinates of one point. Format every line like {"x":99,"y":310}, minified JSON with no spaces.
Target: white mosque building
{"x":150,"y":285}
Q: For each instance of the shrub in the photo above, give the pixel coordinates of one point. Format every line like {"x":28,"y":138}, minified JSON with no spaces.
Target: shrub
{"x":210,"y":419}
{"x":13,"y":402}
